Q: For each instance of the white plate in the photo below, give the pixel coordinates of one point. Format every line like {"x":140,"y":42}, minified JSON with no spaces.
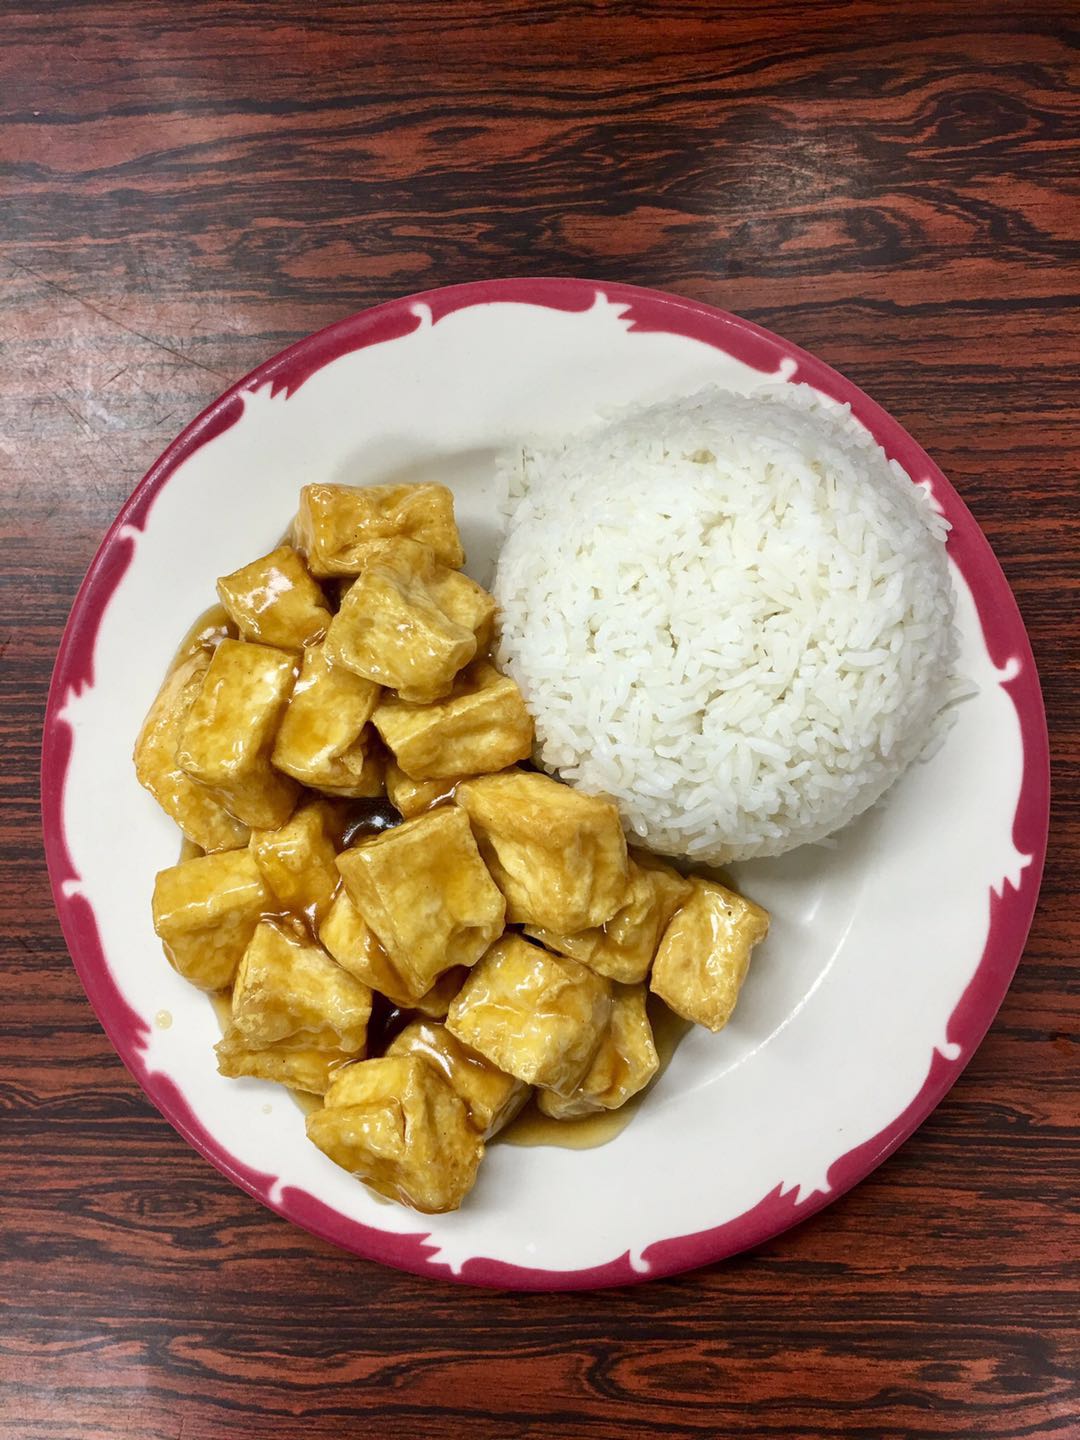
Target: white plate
{"x":888,"y":955}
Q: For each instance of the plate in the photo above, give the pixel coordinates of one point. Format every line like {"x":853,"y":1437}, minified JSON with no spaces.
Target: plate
{"x":889,"y":953}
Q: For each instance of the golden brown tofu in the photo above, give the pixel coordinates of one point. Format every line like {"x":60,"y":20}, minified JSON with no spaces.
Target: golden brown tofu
{"x":536,"y":1016}
{"x":491,"y":1097}
{"x":624,"y":946}
{"x":336,"y":524}
{"x":705,"y":953}
{"x":459,"y":597}
{"x":412,"y":797}
{"x":200,"y":815}
{"x":205,"y":911}
{"x":397,"y":1125}
{"x":392,"y":630}
{"x":297,"y":861}
{"x":230,"y":729}
{"x":426,"y":893}
{"x":322,"y":741}
{"x":466,"y":602}
{"x":352,"y":943}
{"x":480,"y":727}
{"x":296,"y":1063}
{"x":286,"y":987}
{"x":558,"y":856}
{"x":275,"y":601}
{"x":624,"y":1063}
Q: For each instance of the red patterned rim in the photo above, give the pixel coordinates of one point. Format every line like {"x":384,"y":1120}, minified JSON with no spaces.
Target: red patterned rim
{"x":1011,"y":911}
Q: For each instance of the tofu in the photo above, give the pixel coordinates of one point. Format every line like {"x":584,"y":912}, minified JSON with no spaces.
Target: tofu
{"x":412,"y":797}
{"x":491,"y":1097}
{"x":392,"y":630}
{"x":295,"y":1063}
{"x":458,"y":596}
{"x":323,"y":740}
{"x":480,"y":727}
{"x":624,"y":1063}
{"x":705,"y":953}
{"x":557,"y":855}
{"x":353,"y":944}
{"x":200,"y":815}
{"x":288,"y":988}
{"x":624,"y":946}
{"x":275,"y":601}
{"x":205,"y":911}
{"x":397,"y":1125}
{"x":336,"y":525}
{"x":533,"y":1015}
{"x":425,"y":892}
{"x":297,"y":861}
{"x":435,"y":1004}
{"x":230,"y":729}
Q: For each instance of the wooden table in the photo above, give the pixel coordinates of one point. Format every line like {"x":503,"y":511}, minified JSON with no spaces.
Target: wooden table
{"x":184,"y":190}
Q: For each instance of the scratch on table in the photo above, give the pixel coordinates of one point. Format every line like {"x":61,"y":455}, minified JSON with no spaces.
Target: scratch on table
{"x":112,"y":320}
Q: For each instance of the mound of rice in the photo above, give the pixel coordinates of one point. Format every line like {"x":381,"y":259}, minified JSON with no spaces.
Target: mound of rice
{"x":732,"y":614}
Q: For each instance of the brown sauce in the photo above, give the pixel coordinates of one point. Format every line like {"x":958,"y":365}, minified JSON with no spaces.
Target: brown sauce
{"x":532,"y":1127}
{"x":208,"y":631}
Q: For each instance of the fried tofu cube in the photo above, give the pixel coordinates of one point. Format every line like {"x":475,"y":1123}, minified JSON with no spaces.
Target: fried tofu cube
{"x":198,"y":812}
{"x":230,"y":729}
{"x":557,"y":855}
{"x":321,"y":740}
{"x":624,"y":1063}
{"x":491,"y":1097}
{"x":624,"y":946}
{"x":297,"y":861}
{"x":275,"y":601}
{"x":351,"y":941}
{"x":480,"y":727}
{"x":705,"y":953}
{"x":392,"y":630}
{"x":287,"y":987}
{"x":336,"y":525}
{"x":412,"y":797}
{"x":296,"y":1063}
{"x":424,"y":890}
{"x":467,"y":603}
{"x":397,"y":1125}
{"x":536,"y":1016}
{"x":205,"y":911}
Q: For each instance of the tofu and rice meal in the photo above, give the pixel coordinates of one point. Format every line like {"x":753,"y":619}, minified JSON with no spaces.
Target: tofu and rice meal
{"x":721,"y":627}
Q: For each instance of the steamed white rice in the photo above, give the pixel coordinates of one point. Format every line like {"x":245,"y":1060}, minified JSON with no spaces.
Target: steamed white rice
{"x":731,"y":613}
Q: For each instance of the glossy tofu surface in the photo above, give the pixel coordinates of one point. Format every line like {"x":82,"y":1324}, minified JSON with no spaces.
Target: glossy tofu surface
{"x":205,"y":911}
{"x":426,"y":893}
{"x":558,"y":856}
{"x":336,"y":525}
{"x":480,"y":727}
{"x":705,"y":953}
{"x":397,"y":1124}
{"x":297,"y":861}
{"x":323,"y":740}
{"x":300,"y":1065}
{"x":624,"y":1063}
{"x":287,"y":987}
{"x":353,"y":944}
{"x":392,"y":630}
{"x":491,"y":1097}
{"x":533,"y":1015}
{"x":413,"y":797}
{"x":198,"y":812}
{"x":230,"y":730}
{"x":275,"y":601}
{"x":624,"y":947}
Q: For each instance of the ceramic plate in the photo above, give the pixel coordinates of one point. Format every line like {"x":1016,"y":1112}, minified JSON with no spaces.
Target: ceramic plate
{"x":888,"y":955}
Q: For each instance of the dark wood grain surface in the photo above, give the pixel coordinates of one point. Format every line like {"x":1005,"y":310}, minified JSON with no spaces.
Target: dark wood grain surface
{"x":186,"y":188}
